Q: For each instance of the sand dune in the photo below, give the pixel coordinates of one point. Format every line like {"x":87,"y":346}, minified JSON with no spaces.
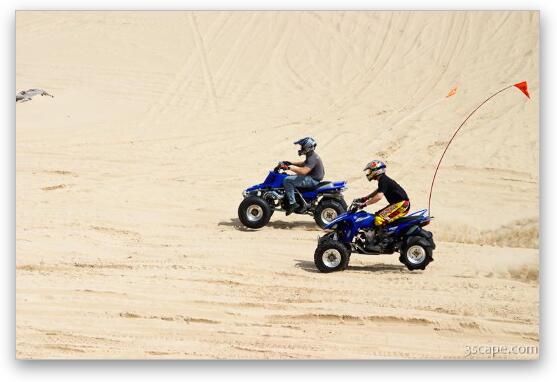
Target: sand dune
{"x":128,"y":244}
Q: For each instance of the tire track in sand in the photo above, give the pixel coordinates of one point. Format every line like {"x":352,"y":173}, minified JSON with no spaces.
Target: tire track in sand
{"x":209,"y":82}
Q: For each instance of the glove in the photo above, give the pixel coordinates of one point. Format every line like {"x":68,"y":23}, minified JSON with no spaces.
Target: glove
{"x":360,"y":200}
{"x":284,"y":166}
{"x":360,"y":205}
{"x":355,"y":206}
{"x":286,"y":162}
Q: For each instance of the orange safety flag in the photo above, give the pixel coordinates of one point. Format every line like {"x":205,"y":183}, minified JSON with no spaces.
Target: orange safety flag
{"x":523,"y":86}
{"x":452,"y":92}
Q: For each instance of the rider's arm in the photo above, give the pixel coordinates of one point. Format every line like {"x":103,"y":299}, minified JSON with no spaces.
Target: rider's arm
{"x":298,"y":164}
{"x":374,"y":197}
{"x":367,"y":197}
{"x":299,"y":170}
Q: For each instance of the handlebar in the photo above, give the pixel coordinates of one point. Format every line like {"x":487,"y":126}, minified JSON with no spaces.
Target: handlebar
{"x":277,"y":169}
{"x":354,"y":207}
{"x":280,"y":164}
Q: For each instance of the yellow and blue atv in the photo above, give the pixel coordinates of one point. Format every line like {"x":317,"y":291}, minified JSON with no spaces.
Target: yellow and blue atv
{"x":355,"y":232}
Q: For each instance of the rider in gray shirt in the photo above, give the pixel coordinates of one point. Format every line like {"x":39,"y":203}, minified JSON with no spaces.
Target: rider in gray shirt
{"x":314,"y":162}
{"x":308,"y":173}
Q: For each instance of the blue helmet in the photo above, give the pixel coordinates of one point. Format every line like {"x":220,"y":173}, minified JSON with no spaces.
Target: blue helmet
{"x":307,"y":144}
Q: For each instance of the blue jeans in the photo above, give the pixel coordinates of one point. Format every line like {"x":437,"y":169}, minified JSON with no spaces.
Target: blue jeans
{"x":293,"y":181}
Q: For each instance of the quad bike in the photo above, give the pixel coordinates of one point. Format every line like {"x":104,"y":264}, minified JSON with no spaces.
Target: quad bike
{"x":354,"y":232}
{"x":324,"y":202}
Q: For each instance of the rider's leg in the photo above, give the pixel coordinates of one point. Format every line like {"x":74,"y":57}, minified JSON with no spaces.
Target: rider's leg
{"x":384,"y":217}
{"x":391,"y":213}
{"x":290,"y":183}
{"x":308,"y":182}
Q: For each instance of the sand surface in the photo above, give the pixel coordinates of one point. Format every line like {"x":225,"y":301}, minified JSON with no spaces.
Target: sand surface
{"x":127,"y":238}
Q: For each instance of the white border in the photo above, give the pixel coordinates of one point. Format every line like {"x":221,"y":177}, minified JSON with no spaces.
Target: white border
{"x":257,"y":370}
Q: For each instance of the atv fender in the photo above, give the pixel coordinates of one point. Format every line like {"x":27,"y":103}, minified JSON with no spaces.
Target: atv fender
{"x":329,"y":236}
{"x":336,"y":196}
{"x":411,"y":240}
{"x":421,"y":236}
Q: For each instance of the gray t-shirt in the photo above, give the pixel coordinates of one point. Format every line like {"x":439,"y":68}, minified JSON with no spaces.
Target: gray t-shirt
{"x":313,"y":161}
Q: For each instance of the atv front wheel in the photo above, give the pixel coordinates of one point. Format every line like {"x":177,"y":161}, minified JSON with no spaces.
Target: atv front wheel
{"x":331,"y":256}
{"x":416,"y":254}
{"x":254,"y":212}
{"x":327,"y":210}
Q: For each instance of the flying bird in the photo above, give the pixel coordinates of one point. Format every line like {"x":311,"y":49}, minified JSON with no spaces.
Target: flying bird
{"x":26,"y":95}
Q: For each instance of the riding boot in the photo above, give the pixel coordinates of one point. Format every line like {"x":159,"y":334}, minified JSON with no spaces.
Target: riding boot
{"x":291,"y":208}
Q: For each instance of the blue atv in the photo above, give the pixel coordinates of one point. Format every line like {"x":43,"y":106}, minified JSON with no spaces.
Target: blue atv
{"x":324,"y":201}
{"x":354,"y":231}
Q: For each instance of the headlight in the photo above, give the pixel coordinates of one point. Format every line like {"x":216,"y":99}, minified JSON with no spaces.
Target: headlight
{"x":244,"y":193}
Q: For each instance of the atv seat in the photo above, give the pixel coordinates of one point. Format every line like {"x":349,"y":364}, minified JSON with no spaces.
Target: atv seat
{"x":405,"y":219}
{"x":320,"y":184}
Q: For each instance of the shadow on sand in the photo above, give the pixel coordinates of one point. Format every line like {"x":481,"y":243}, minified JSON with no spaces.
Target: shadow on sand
{"x":309,"y":266}
{"x":278,"y":224}
{"x":378,"y":268}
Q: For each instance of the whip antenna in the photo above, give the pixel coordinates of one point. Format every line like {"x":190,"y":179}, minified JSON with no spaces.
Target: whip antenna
{"x":522,"y":86}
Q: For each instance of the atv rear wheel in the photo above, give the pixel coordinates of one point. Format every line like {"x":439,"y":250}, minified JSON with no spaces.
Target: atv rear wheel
{"x":416,"y":254}
{"x":327,"y":210}
{"x":254,"y":212}
{"x":331,"y":256}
